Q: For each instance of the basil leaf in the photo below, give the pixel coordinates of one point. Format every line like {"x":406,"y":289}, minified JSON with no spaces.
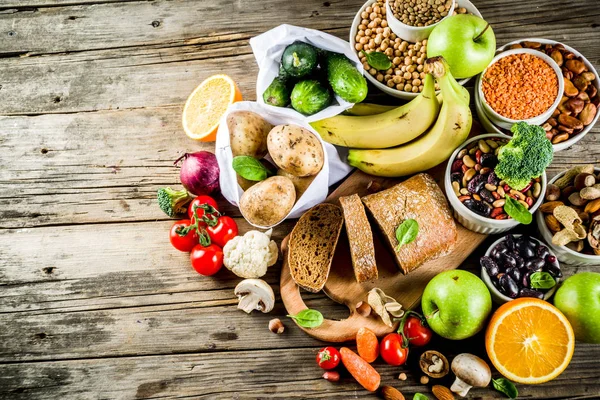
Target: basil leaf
{"x":517,"y":211}
{"x":420,"y":396}
{"x":505,"y":386}
{"x":378,"y":60}
{"x":308,"y":318}
{"x":407,"y":232}
{"x":542,"y":280}
{"x":250,"y":168}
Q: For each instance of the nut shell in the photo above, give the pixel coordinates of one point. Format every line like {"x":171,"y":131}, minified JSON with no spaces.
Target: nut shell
{"x":426,"y":361}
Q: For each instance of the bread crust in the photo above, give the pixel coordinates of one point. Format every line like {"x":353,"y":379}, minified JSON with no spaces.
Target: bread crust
{"x":360,"y":238}
{"x":418,"y":198}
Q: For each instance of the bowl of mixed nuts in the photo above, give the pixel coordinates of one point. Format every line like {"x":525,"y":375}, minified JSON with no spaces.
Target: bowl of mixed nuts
{"x":576,"y":113}
{"x":569,"y":218}
{"x":520,"y":85}
{"x":371,"y":32}
{"x":478,"y":196}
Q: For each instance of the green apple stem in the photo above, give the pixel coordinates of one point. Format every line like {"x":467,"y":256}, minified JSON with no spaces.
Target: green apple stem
{"x":487,"y":25}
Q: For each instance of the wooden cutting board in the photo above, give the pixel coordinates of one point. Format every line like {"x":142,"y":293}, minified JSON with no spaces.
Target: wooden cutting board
{"x":343,"y":288}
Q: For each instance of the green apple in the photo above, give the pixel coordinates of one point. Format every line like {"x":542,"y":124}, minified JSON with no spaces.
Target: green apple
{"x":456,"y":304}
{"x":467,"y":43}
{"x":579,"y":299}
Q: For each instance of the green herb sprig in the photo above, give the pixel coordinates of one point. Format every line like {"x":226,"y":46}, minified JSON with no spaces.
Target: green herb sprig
{"x":407,"y":232}
{"x":505,"y":386}
{"x":308,"y":318}
{"x":250,"y":168}
{"x":378,"y":60}
{"x":542,"y":280}
{"x":517,"y":211}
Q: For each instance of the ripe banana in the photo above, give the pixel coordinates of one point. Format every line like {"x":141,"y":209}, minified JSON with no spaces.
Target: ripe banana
{"x":433,"y":147}
{"x":387,"y":129}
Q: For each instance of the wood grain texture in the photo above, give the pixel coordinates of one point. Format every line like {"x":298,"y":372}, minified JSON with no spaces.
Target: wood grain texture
{"x":94,"y":303}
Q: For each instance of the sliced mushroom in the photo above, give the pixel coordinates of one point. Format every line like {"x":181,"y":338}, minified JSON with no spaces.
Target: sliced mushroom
{"x":470,"y":371}
{"x":254,"y":294}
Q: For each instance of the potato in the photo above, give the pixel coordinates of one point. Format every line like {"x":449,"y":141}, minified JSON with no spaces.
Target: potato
{"x":301,"y":183}
{"x":269,"y":201}
{"x":295,"y":150}
{"x":248,"y":134}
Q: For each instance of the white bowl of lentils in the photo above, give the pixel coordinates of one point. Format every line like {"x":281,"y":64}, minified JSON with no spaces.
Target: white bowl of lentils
{"x":475,"y":192}
{"x":370,"y":32}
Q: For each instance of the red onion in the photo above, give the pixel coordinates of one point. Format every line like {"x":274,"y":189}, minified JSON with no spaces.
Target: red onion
{"x":199,"y":172}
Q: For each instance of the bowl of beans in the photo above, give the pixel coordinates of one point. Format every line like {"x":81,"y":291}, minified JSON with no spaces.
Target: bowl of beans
{"x":520,"y":85}
{"x":413,"y":20}
{"x":477,"y":195}
{"x":370,"y":31}
{"x":520,"y":266}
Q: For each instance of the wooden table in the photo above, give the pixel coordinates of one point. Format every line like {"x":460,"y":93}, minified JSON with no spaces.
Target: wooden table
{"x":94,"y":301}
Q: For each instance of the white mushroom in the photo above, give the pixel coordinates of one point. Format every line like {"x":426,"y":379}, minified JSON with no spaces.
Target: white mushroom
{"x":255,"y":294}
{"x":470,"y":371}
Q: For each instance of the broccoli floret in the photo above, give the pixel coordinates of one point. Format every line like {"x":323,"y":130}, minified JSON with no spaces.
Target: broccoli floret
{"x":173,"y":202}
{"x":525,"y":156}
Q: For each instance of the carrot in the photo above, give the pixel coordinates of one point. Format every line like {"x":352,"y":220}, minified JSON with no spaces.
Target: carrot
{"x":367,"y":344}
{"x":361,"y":370}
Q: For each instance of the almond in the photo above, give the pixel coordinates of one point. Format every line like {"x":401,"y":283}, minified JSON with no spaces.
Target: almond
{"x":552,"y":223}
{"x":548,"y":207}
{"x":442,"y":392}
{"x":592,"y":206}
{"x":390,"y":393}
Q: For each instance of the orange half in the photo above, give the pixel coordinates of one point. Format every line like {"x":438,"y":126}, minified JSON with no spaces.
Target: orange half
{"x":206,"y":105}
{"x":529,"y":341}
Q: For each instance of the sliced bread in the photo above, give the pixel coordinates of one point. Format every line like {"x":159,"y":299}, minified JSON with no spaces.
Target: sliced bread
{"x":421,"y":199}
{"x":312,"y":244}
{"x":360,"y":238}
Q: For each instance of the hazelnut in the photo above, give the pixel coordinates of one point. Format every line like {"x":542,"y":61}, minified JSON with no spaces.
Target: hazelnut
{"x":276,"y":326}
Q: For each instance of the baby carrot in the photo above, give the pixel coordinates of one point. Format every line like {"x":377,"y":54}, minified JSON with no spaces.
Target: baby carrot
{"x":361,"y":370}
{"x":367,"y":344}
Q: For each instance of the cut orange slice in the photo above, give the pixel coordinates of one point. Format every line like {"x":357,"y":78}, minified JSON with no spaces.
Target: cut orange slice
{"x":206,"y":105}
{"x":529,"y":341}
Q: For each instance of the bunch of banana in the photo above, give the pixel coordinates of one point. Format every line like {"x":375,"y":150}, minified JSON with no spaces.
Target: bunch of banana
{"x":418,"y":148}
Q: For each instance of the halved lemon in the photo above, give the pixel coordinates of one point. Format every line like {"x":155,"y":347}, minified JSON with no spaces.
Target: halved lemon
{"x":529,"y":341}
{"x":206,"y":105}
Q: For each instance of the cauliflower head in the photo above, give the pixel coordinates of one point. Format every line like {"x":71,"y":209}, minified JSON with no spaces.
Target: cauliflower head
{"x":250,"y":255}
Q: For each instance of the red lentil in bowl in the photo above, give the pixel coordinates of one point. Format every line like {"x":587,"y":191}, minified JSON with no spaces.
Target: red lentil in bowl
{"x":520,"y":86}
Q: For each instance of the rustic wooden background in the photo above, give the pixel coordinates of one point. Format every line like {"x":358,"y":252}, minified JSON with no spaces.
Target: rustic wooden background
{"x":94,"y":302}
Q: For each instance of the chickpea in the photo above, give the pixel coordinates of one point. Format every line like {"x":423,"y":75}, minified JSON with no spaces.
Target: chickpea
{"x":422,"y":75}
{"x":363,"y":40}
{"x":392,"y":35}
{"x":420,"y":88}
{"x":415,"y":75}
{"x":389,"y":52}
{"x":397,"y":79}
{"x":414,"y":59}
{"x":411,"y":53}
{"x":407,"y":61}
{"x":372,"y":16}
{"x":364,"y":22}
{"x":400,"y":86}
{"x":358,"y":46}
{"x":366,"y":66}
{"x":384,"y":45}
{"x":373,"y":71}
{"x":368,"y":32}
{"x":369,"y":9}
{"x":379,"y":30}
{"x":420,"y":68}
{"x":396,"y":45}
{"x":403,"y":69}
{"x":387,"y":76}
{"x":371,"y":25}
{"x":416,"y":82}
{"x":377,"y":9}
{"x":403,"y":46}
{"x":407,"y":87}
{"x":389,"y":71}
{"x":377,"y":21}
{"x":396,"y":61}
{"x":397,"y":53}
{"x":407,"y":75}
{"x":364,"y":15}
{"x":362,"y":27}
{"x":415,"y":89}
{"x":390,"y":83}
{"x":379,"y":77}
{"x":417,"y":46}
{"x":386,"y":34}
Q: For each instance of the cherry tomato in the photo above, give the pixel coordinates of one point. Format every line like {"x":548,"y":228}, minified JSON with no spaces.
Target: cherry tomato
{"x":183,"y":242}
{"x":207,"y":260}
{"x":225,"y":230}
{"x":328,"y":358}
{"x":416,"y":331}
{"x":199,"y":201}
{"x":392,"y":351}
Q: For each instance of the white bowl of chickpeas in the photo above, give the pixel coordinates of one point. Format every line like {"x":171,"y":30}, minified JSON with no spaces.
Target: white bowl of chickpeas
{"x":370,"y":32}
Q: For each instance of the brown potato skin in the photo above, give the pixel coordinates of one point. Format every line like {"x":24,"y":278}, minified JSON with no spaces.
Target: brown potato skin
{"x":268,"y":202}
{"x":248,"y":134}
{"x":301,"y":183}
{"x":295,"y":150}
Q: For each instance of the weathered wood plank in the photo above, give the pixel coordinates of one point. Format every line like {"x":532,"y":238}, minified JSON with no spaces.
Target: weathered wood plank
{"x":276,"y":374}
{"x":106,"y":166}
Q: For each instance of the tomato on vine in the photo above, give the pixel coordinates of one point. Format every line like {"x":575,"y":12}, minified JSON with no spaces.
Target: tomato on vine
{"x":414,"y":329}
{"x":182,"y":237}
{"x":392,"y":349}
{"x":197,"y":206}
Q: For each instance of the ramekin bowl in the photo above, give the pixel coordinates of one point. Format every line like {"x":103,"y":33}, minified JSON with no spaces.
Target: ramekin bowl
{"x":505,"y":122}
{"x":563,"y":253}
{"x":475,"y":222}
{"x":411,"y":33}
{"x":499,"y":297}
{"x":381,"y":86}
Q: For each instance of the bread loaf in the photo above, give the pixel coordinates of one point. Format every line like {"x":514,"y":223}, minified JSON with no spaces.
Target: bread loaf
{"x":312,"y":244}
{"x":360,"y":238}
{"x":421,"y":199}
